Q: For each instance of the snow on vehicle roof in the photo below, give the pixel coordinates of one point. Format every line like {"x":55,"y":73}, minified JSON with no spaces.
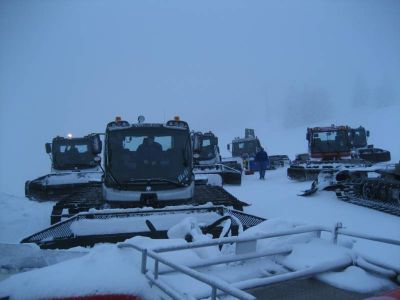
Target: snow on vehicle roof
{"x":328,"y":128}
{"x":175,"y":125}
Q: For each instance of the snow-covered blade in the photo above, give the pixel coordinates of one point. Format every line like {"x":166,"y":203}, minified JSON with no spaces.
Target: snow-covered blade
{"x":229,"y":175}
{"x":309,"y":170}
{"x":277,"y":161}
{"x":89,"y":228}
{"x":57,"y":186}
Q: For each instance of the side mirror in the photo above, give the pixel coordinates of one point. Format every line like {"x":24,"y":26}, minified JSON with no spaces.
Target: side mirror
{"x":96,"y":144}
{"x":228,"y":147}
{"x":367,"y":133}
{"x":48,"y":148}
{"x":196,"y":145}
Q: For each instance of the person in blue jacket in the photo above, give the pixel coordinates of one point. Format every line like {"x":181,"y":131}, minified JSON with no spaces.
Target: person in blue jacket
{"x":263,"y":162}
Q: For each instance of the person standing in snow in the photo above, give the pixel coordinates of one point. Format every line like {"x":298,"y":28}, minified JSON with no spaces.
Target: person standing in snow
{"x":263,"y":161}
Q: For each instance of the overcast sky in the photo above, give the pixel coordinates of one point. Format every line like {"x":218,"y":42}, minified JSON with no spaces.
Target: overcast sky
{"x":72,"y":66}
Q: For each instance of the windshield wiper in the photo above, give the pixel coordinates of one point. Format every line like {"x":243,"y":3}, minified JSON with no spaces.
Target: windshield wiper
{"x":154,"y":180}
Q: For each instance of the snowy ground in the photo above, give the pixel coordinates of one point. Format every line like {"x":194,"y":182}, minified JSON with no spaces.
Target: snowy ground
{"x":277,"y":198}
{"x":20,"y":217}
{"x":274,"y":199}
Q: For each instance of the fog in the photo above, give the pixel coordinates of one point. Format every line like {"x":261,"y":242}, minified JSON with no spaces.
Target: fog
{"x":72,"y":66}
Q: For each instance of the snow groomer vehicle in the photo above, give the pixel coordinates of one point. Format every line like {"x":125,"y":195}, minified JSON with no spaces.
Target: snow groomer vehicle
{"x":245,"y":149}
{"x":363,"y":150}
{"x":75,"y":167}
{"x":207,"y":159}
{"x":148,"y":186}
{"x":330,"y":149}
{"x":342,"y":162}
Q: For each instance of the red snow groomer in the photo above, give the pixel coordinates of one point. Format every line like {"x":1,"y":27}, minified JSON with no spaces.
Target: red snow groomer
{"x":329,"y":143}
{"x":329,"y":148}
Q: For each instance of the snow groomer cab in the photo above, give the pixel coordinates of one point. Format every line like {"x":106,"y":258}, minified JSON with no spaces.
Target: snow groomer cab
{"x":208,"y":162}
{"x":148,"y":164}
{"x":75,"y":165}
{"x":245,"y":149}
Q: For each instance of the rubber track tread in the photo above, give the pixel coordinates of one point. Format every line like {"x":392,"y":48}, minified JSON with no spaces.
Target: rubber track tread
{"x":349,"y":194}
{"x":217,"y":195}
{"x":91,"y":198}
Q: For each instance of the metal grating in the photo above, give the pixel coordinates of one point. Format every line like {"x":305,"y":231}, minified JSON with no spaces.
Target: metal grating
{"x":62,"y":230}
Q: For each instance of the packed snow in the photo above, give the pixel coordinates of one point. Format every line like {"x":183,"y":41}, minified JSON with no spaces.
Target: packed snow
{"x":72,"y":177}
{"x":103,"y":270}
{"x":356,"y":279}
{"x":20,"y":217}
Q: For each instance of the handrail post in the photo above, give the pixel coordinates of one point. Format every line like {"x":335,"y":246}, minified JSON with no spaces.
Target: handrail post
{"x":214,"y":293}
{"x":144,"y":261}
{"x":156,"y":269}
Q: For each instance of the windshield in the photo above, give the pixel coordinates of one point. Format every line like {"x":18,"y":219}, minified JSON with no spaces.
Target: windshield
{"x":359,"y":138}
{"x":245,"y":147}
{"x":70,"y":154}
{"x":139,"y":154}
{"x":330,"y":142}
{"x":208,"y":145}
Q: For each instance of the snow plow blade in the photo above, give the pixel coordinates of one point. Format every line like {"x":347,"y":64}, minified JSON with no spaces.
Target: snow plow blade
{"x":229,"y":174}
{"x":232,"y":178}
{"x":56,"y":187}
{"x":375,"y":155}
{"x":302,"y":173}
{"x":311,"y":170}
{"x":112,"y":226}
{"x":278,"y":161}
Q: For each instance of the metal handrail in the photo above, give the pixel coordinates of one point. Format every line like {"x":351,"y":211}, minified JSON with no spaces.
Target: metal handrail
{"x":218,"y":286}
{"x":215,"y":283}
{"x":369,"y":237}
{"x":217,"y":164}
{"x":230,"y":168}
{"x":235,"y":239}
{"x":293,"y":275}
{"x":234,"y":258}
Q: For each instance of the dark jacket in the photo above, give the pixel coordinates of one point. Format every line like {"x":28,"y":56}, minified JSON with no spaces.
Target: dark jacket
{"x":262,"y":160}
{"x":150,"y":152}
{"x":261,"y":156}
